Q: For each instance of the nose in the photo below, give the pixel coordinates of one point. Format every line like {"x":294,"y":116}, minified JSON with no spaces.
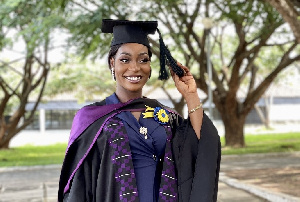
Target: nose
{"x":134,"y":66}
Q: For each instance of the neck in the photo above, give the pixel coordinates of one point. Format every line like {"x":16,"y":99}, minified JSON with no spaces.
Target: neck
{"x":128,"y":95}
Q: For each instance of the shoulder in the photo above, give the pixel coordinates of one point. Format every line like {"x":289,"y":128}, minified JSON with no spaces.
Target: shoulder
{"x":89,"y":106}
{"x":100,"y":103}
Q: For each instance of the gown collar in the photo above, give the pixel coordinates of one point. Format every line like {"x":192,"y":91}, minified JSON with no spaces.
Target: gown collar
{"x":135,"y":124}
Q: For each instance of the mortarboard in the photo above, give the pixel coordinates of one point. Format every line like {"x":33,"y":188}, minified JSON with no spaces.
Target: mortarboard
{"x":125,"y":31}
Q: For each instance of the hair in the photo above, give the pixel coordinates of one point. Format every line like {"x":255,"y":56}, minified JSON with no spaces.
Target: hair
{"x":114,"y":49}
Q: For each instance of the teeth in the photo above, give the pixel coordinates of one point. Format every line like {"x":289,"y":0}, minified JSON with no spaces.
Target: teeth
{"x":135,"y":78}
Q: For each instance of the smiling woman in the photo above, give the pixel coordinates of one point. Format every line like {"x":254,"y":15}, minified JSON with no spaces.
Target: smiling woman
{"x":131,"y":67}
{"x":132,"y":148}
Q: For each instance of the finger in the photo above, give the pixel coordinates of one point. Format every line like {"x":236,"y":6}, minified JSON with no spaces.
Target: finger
{"x":172,"y":74}
{"x":187,"y":78}
{"x":185,"y":69}
{"x":182,"y":66}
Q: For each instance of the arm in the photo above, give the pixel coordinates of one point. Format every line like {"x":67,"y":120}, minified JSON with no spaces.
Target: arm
{"x":186,"y":85}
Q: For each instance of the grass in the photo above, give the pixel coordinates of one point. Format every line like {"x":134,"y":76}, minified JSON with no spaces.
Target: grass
{"x":54,"y":154}
{"x":268,"y":143}
{"x":33,"y":155}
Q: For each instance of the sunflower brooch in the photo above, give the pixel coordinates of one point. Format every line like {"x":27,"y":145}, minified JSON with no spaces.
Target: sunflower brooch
{"x":159,"y":114}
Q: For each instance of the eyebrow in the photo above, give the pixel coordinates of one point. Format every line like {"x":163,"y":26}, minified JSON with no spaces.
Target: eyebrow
{"x":126,"y":53}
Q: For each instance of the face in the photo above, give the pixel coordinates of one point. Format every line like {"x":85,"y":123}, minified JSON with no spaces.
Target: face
{"x":132,"y":67}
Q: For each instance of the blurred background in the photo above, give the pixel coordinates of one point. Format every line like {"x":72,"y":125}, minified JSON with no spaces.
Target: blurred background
{"x":244,"y":55}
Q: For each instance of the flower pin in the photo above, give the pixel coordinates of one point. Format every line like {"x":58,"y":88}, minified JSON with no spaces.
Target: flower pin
{"x":159,"y":114}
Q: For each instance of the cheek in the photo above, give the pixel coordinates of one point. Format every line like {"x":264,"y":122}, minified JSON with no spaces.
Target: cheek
{"x":147,"y":69}
{"x":119,"y":70}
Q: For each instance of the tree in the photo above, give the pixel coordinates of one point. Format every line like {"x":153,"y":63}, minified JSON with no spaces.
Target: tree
{"x":289,"y":9}
{"x":88,"y":80}
{"x":28,"y":23}
{"x":253,"y":27}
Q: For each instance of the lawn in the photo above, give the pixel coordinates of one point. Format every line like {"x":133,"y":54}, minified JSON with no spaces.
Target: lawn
{"x":33,"y":155}
{"x":287,"y":142}
{"x":54,"y":154}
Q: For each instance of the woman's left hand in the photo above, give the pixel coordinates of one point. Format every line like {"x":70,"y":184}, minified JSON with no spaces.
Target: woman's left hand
{"x":186,"y":85}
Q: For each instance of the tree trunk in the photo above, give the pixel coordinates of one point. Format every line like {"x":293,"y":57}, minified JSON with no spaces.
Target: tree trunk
{"x":234,"y":126}
{"x":234,"y":132}
{"x":5,"y":145}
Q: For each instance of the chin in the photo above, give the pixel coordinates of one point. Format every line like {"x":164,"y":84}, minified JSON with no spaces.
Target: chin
{"x":134,"y":90}
{"x":135,"y":87}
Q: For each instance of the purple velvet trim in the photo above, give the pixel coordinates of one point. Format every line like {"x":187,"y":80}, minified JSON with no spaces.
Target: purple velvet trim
{"x":87,"y":115}
{"x":86,"y":153}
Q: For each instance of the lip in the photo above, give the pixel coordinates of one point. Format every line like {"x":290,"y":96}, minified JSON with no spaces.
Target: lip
{"x":133,"y":79}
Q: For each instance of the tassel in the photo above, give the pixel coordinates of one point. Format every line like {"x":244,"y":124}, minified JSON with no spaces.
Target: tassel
{"x":163,"y":74}
{"x":165,"y":56}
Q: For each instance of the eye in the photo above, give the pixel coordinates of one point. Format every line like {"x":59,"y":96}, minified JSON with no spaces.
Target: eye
{"x":124,"y":60}
{"x":145,"y":60}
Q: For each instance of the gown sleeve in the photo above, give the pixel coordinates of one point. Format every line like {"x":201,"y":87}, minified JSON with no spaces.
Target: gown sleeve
{"x":197,"y":161}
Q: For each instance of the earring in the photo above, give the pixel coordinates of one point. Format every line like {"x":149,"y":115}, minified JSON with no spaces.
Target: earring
{"x":113,"y":74}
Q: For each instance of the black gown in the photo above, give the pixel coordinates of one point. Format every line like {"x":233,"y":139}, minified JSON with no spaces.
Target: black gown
{"x":93,"y":169}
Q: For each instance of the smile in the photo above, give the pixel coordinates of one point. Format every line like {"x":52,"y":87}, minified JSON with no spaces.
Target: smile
{"x":133,"y":78}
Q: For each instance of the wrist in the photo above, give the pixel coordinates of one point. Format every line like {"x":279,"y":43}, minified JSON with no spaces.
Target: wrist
{"x":198,"y":107}
{"x":192,"y":100}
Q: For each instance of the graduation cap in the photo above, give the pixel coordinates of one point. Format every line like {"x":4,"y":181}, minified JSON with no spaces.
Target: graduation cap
{"x":125,"y":31}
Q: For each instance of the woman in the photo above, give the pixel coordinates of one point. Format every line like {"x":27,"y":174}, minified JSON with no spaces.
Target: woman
{"x":131,"y":148}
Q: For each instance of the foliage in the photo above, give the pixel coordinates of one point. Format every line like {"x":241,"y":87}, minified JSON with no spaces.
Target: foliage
{"x":84,"y":21}
{"x":88,"y":80}
{"x":26,"y":24}
{"x":248,"y":38}
{"x":290,"y":11}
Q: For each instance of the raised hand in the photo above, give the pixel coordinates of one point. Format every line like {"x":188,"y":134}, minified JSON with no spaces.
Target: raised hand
{"x":186,"y":85}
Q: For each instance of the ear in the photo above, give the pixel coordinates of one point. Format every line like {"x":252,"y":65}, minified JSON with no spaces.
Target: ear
{"x":112,"y":62}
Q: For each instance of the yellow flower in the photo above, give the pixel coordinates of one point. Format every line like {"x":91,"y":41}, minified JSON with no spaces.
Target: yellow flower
{"x":159,"y":114}
{"x":162,"y":116}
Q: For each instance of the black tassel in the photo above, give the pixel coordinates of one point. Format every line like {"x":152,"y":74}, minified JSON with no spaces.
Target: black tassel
{"x":165,"y":56}
{"x":163,"y":73}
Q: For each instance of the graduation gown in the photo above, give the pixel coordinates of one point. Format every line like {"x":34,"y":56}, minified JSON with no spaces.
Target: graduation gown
{"x":98,"y":164}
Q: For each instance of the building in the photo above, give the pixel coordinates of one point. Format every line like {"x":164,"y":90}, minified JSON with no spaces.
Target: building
{"x":283,"y":104}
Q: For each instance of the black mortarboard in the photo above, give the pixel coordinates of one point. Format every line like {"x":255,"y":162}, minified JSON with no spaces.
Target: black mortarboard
{"x":125,"y":31}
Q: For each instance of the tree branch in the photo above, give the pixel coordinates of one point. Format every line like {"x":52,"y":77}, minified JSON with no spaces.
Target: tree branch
{"x":10,"y":67}
{"x":253,"y":78}
{"x":254,"y":96}
{"x":289,"y":14}
{"x":81,"y":6}
{"x":249,"y":66}
{"x":4,"y":85}
{"x":196,"y":12}
{"x":95,"y":3}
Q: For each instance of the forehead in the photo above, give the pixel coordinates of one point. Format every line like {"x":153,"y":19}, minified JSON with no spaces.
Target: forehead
{"x":132,"y":48}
